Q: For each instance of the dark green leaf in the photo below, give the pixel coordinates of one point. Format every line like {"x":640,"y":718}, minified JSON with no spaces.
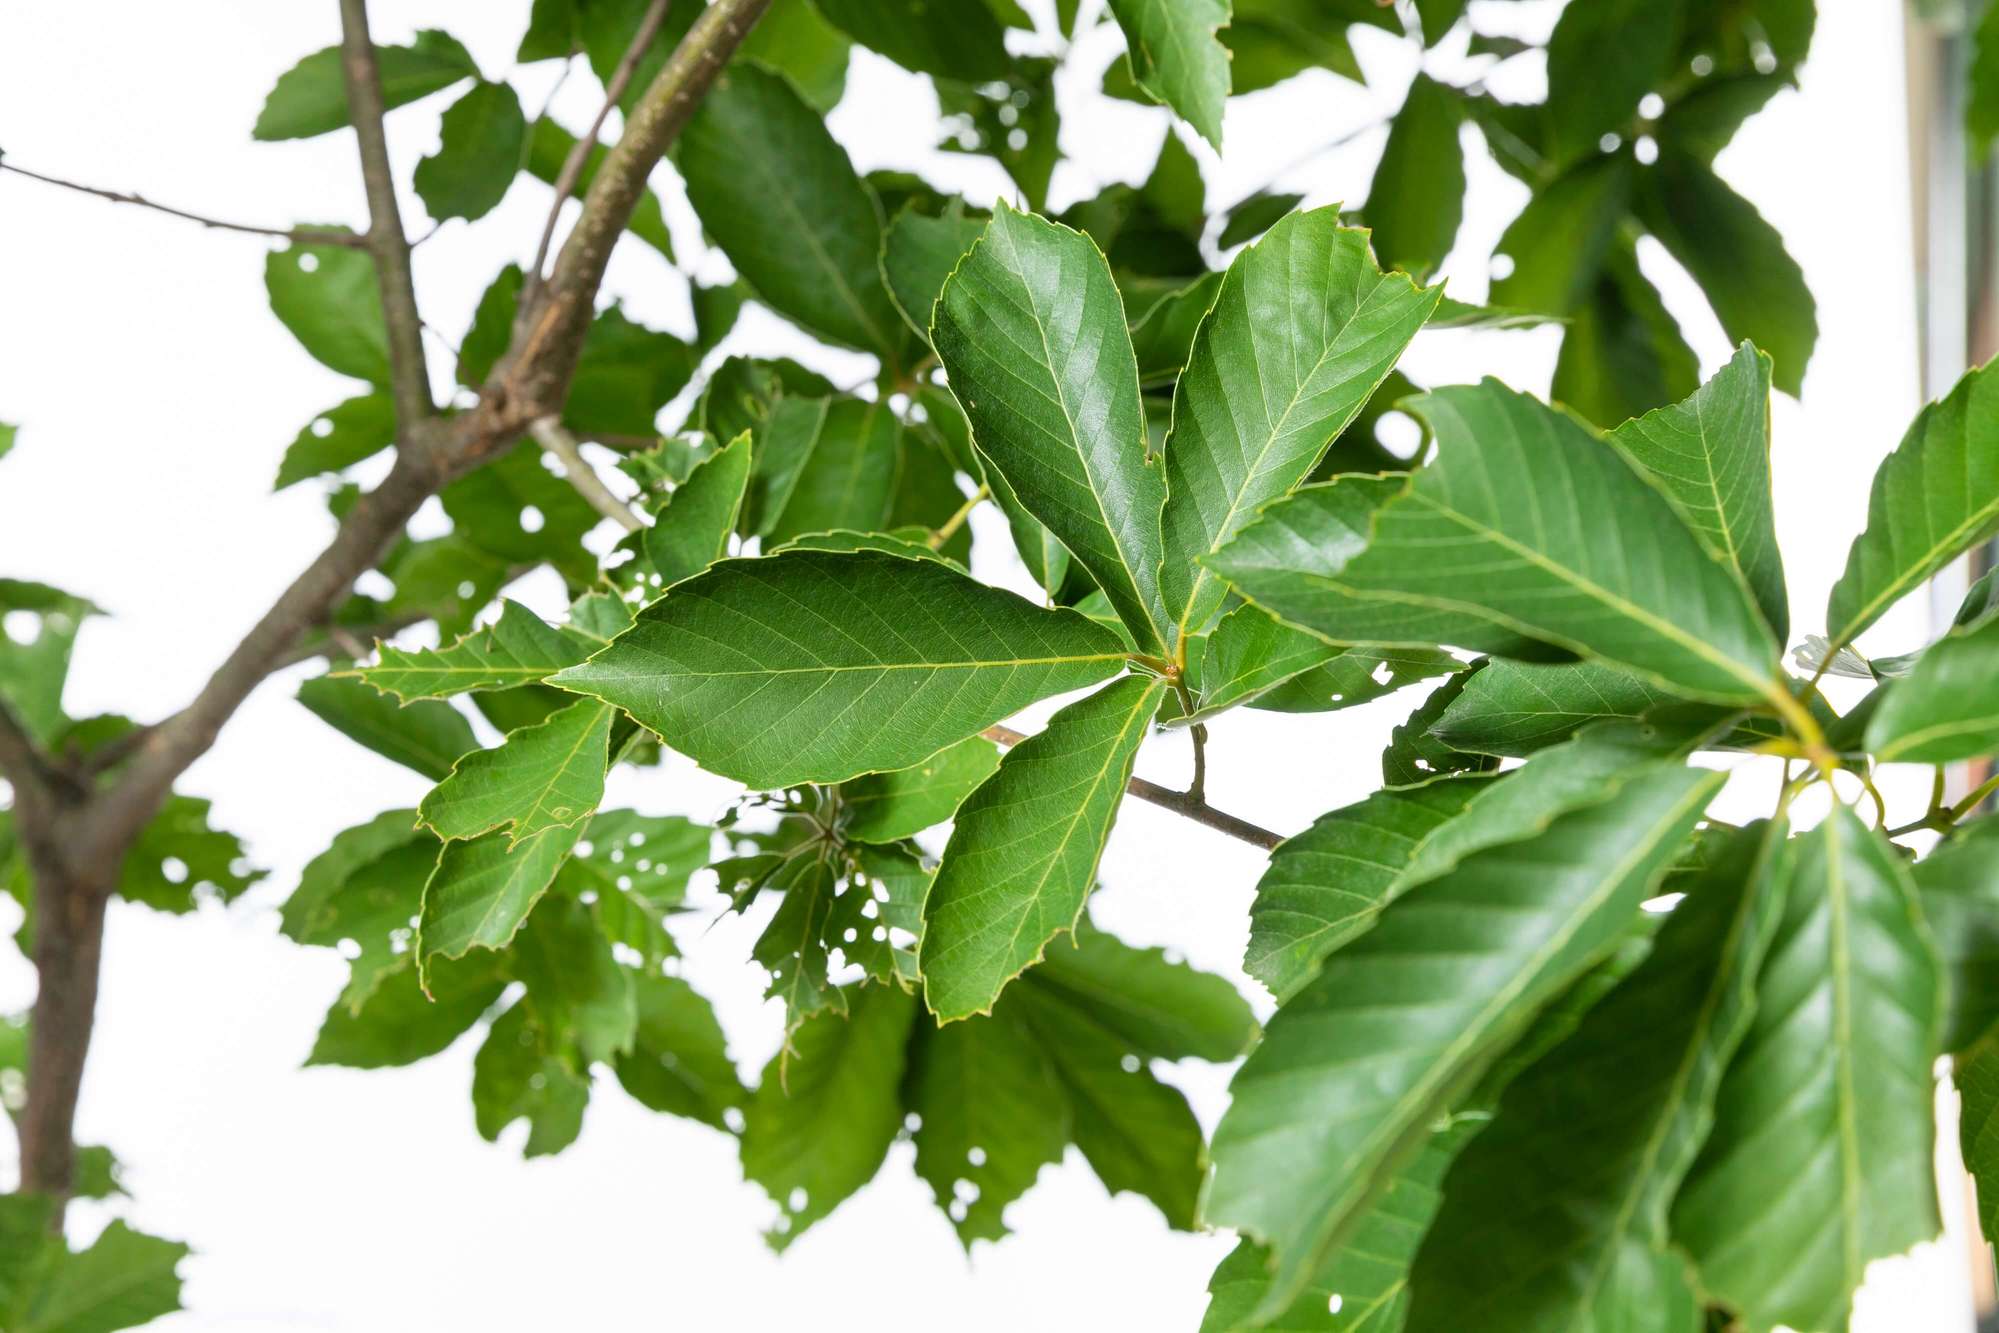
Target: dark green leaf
{"x":1948,"y":705}
{"x":311,"y":97}
{"x":692,"y":529}
{"x":1516,"y":708}
{"x":679,"y":1062}
{"x":888,"y":807}
{"x":1024,"y":848}
{"x":1303,"y":331}
{"x":846,"y":476}
{"x":395,"y":1022}
{"x":339,"y":438}
{"x":1032,"y":333}
{"x":1417,"y":198}
{"x":1254,"y":216}
{"x":779,"y":196}
{"x":794,"y":39}
{"x":948,"y":41}
{"x":519,"y":1075}
{"x":918,"y":254}
{"x":1558,"y":242}
{"x":1623,"y":354}
{"x":427,"y":736}
{"x":1177,"y":56}
{"x":328,"y":297}
{"x":484,"y":136}
{"x":1602,"y":58}
{"x":575,"y":987}
{"x":726,"y":671}
{"x":1819,"y":1160}
{"x":1959,"y":886}
{"x":1425,"y":1000}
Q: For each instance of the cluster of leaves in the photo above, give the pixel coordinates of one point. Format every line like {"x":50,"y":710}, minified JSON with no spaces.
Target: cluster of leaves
{"x":1721,"y":1105}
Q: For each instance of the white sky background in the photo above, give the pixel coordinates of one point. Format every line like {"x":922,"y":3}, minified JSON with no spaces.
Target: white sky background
{"x":156,"y":393}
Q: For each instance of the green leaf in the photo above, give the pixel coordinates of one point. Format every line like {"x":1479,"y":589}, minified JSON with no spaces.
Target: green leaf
{"x":518,"y":510}
{"x":1555,"y":1215}
{"x":1163,"y":337}
{"x":780,"y":198}
{"x":1160,"y":1009}
{"x":1425,"y":1000}
{"x":547,"y":776}
{"x":575,"y":987}
{"x":178,"y":860}
{"x":1703,"y":122}
{"x":1711,"y":453}
{"x":821,"y":666}
{"x":1355,"y":676}
{"x":1947,"y":707}
{"x":991,"y":1114}
{"x":846,"y":477}
{"x":1248,"y":653}
{"x":396,"y":1022}
{"x":483,"y":890}
{"x":918,"y":255}
{"x":1304,"y":330}
{"x":484,"y":138}
{"x":1368,"y":1276}
{"x":1024,"y":849}
{"x":1417,"y":198}
{"x":1031,"y":331}
{"x":1177,"y":56}
{"x":7,"y":434}
{"x":637,"y":866}
{"x":338,"y":438}
{"x":517,"y":649}
{"x":1602,"y":58}
{"x":691,"y":530}
{"x":1934,"y":498}
{"x":1981,"y":112}
{"x":1516,"y":708}
{"x":519,"y":1075}
{"x":679,"y":1061}
{"x":796,"y":947}
{"x":427,"y":736}
{"x":1254,"y":216}
{"x":1623,"y":354}
{"x":311,"y":97}
{"x":1270,"y":41}
{"x":1016,"y":121}
{"x":626,"y":374}
{"x":1756,"y":288}
{"x":947,"y":41}
{"x":827,"y":1109}
{"x":549,"y":146}
{"x":42,"y":624}
{"x":888,"y":807}
{"x":1526,"y":529}
{"x":1976,"y":1073}
{"x":327,"y":296}
{"x":795,"y":40}
{"x":367,"y":888}
{"x":1958,"y":882}
{"x":125,"y":1278}
{"x":1819,"y":1160}
{"x":1558,"y":243}
{"x":1413,"y":752}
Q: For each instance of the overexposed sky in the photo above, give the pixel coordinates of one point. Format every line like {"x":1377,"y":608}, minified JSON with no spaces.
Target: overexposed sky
{"x":155,"y":394}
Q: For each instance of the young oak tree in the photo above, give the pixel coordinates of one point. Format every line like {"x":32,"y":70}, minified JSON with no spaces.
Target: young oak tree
{"x":1496,"y":1093}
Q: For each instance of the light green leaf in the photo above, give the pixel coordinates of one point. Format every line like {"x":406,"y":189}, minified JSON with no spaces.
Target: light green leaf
{"x":948,"y":41}
{"x":1934,"y":498}
{"x":484,"y":137}
{"x":992,"y":1114}
{"x":679,"y":1062}
{"x":550,"y":775}
{"x":1947,"y":707}
{"x":1959,"y":886}
{"x":779,"y":196}
{"x":1819,"y":1160}
{"x":1248,"y":653}
{"x":692,"y":528}
{"x":427,"y":736}
{"x":827,"y":1108}
{"x":1711,"y":453}
{"x":519,"y":1075}
{"x":1418,"y":195}
{"x":1555,"y":1215}
{"x":328,"y":297}
{"x":637,"y":866}
{"x":888,"y":807}
{"x":1024,"y":849}
{"x":311,"y":97}
{"x":1031,"y":331}
{"x":1303,"y":331}
{"x":1756,"y":288}
{"x":338,"y":438}
{"x":883,"y":937}
{"x":1177,"y":56}
{"x":7,"y":434}
{"x":517,"y":649}
{"x":125,"y":1278}
{"x":1446,"y":979}
{"x":821,"y":666}
{"x":1528,"y":528}
{"x":483,"y":890}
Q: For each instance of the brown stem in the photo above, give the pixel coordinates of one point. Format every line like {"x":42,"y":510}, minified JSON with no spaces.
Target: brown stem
{"x":296,"y":235}
{"x":579,"y":152}
{"x":69,"y":947}
{"x":1185,"y":804}
{"x":409,"y":376}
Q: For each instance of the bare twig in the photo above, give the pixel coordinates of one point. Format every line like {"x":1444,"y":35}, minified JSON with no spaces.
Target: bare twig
{"x":548,"y":432}
{"x":1185,"y":804}
{"x":579,"y":152}
{"x":409,"y":376}
{"x":296,"y":235}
